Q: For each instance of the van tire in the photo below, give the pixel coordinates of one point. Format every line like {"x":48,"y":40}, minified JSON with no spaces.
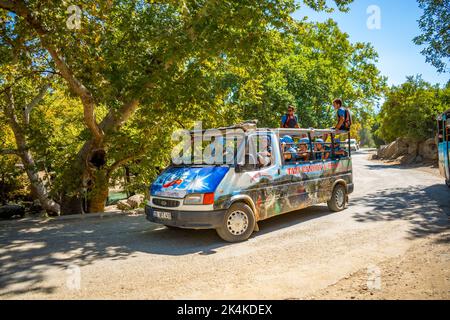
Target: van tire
{"x":244,"y":223}
{"x":447,"y":182}
{"x":338,"y":198}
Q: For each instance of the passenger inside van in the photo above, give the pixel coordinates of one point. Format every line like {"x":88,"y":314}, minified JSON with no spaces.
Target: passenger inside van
{"x":287,"y":147}
{"x":289,"y":154}
{"x":338,"y":151}
{"x":264,"y":155}
{"x":303,"y":153}
{"x":320,"y":152}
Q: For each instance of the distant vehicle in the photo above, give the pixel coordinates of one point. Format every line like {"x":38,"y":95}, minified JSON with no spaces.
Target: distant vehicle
{"x":232,"y":197}
{"x":443,"y":141}
{"x":354,"y":146}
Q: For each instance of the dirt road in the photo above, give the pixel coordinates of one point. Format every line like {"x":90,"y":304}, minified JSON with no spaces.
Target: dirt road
{"x":392,"y":242}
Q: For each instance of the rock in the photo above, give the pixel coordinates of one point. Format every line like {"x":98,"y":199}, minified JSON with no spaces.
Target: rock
{"x":394,"y":150}
{"x":36,"y":207}
{"x":135,"y":201}
{"x":382,"y":150}
{"x":9,"y":211}
{"x":123,"y":205}
{"x":407,"y":159}
{"x":428,"y":149}
{"x":408,"y":150}
{"x":400,"y":148}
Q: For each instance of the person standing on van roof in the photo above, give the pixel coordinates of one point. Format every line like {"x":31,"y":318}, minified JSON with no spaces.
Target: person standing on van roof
{"x":344,"y":118}
{"x":290,"y":120}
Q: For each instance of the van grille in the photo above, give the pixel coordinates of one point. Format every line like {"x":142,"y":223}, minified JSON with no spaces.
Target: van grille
{"x":166,"y":202}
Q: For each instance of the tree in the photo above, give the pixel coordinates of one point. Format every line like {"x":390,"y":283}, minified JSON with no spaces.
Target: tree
{"x":18,"y":99}
{"x":435,"y":25}
{"x":410,"y":110}
{"x":132,"y":57}
{"x":318,"y":65}
{"x":13,"y":186}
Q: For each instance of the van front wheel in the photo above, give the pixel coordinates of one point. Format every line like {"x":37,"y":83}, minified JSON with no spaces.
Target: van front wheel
{"x":338,"y":198}
{"x":238,"y":223}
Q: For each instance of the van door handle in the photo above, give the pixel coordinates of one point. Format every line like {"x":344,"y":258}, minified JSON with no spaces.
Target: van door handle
{"x":279,"y":171}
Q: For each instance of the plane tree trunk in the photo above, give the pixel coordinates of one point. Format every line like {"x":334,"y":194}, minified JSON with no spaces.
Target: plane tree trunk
{"x":39,"y":190}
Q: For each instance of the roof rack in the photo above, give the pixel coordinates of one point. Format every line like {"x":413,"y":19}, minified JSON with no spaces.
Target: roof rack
{"x":318,"y":132}
{"x":251,"y":125}
{"x":244,"y":126}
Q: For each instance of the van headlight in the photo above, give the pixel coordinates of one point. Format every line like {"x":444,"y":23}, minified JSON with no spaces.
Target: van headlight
{"x":199,"y":198}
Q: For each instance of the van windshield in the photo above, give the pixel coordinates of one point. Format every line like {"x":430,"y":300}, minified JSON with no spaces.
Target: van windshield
{"x":208,"y":149}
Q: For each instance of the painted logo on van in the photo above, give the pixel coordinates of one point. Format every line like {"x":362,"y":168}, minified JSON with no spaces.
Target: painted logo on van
{"x":178,"y":181}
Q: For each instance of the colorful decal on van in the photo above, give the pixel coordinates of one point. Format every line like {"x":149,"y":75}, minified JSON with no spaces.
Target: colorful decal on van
{"x":296,"y":187}
{"x":176,"y":182}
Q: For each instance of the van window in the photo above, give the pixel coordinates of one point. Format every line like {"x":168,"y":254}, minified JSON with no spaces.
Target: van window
{"x":259,"y":151}
{"x":440,"y":135}
{"x":448,"y":130}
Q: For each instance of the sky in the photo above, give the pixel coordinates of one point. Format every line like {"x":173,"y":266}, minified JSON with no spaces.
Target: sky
{"x":399,"y":57}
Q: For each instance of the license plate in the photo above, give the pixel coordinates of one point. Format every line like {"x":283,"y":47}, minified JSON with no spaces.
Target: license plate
{"x":162,"y":215}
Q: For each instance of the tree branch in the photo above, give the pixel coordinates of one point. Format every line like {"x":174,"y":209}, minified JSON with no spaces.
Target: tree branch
{"x":9,"y":151}
{"x":85,"y":95}
{"x":36,"y":100}
{"x":121,"y":162}
{"x":115,"y":119}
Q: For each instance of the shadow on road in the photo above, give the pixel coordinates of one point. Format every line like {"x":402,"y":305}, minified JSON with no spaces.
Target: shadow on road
{"x":426,"y":209}
{"x":27,"y":251}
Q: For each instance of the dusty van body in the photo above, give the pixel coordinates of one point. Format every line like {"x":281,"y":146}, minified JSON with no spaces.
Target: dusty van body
{"x":233,"y":198}
{"x":443,"y":122}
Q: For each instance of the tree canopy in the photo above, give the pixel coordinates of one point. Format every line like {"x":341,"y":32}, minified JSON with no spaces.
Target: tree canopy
{"x":435,"y":25}
{"x":410,"y":110}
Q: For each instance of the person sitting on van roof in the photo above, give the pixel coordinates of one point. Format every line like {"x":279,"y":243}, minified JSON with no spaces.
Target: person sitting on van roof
{"x":338,"y":151}
{"x":320,"y":150}
{"x":303,"y":153}
{"x":344,"y":117}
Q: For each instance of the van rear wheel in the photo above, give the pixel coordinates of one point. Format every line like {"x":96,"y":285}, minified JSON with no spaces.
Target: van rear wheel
{"x":447,"y":182}
{"x":238,"y":223}
{"x":338,"y":198}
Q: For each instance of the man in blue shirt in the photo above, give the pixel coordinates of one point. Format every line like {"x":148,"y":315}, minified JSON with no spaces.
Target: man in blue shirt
{"x":344,"y":118}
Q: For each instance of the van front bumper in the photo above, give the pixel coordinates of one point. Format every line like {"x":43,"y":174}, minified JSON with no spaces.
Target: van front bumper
{"x":350,"y":188}
{"x":188,"y":219}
